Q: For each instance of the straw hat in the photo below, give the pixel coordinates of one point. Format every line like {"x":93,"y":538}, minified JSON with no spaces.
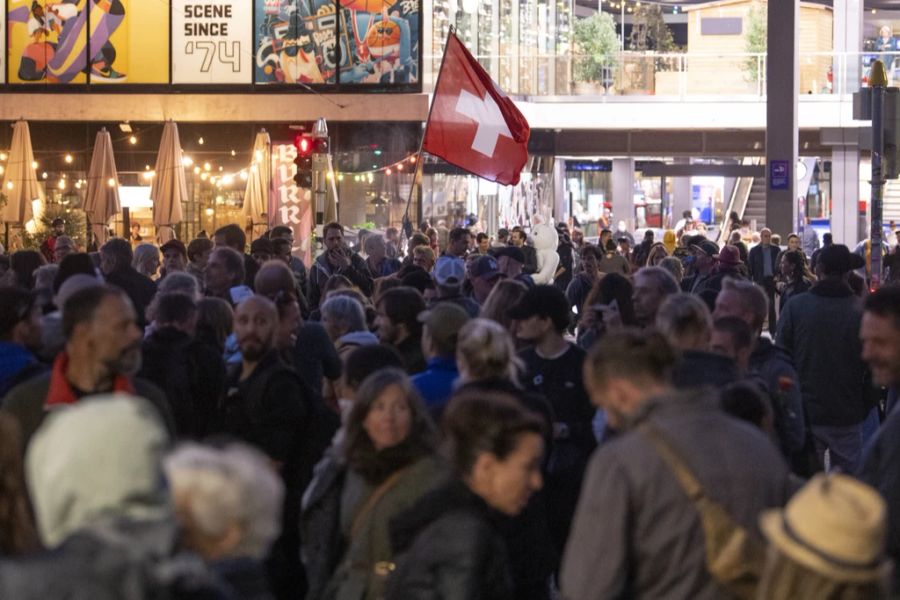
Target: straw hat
{"x":835,"y":526}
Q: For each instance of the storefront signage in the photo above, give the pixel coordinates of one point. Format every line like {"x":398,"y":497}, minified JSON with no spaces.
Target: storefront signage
{"x":289,"y":205}
{"x":779,"y":174}
{"x":211,"y":41}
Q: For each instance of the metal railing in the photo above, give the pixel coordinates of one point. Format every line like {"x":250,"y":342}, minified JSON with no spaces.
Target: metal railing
{"x":681,"y":75}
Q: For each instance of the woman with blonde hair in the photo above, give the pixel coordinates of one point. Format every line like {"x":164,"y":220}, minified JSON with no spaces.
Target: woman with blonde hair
{"x":505,"y":294}
{"x":146,"y":260}
{"x":485,"y":350}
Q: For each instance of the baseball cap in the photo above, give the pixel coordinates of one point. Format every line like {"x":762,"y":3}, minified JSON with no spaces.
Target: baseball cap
{"x":837,"y":259}
{"x":174,"y":245}
{"x":543,"y":301}
{"x":444,"y":320}
{"x":485,"y":267}
{"x":707,"y":247}
{"x":449,"y":270}
{"x":513,"y":252}
{"x":729,"y":255}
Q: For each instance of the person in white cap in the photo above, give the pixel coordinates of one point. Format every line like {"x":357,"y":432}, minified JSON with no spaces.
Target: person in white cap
{"x":828,"y":542}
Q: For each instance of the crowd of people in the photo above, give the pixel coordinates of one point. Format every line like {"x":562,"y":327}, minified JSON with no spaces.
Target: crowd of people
{"x":409,"y":418}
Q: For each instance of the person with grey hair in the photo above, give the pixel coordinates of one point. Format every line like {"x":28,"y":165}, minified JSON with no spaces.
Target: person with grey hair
{"x":228,"y":501}
{"x":43,"y":284}
{"x":772,"y":364}
{"x":685,"y":322}
{"x":146,"y":260}
{"x":95,"y":480}
{"x":652,"y":285}
{"x":344,"y":321}
{"x":182,"y":283}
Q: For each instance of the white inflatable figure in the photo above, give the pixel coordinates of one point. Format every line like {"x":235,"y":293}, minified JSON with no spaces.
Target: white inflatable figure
{"x":545,"y":241}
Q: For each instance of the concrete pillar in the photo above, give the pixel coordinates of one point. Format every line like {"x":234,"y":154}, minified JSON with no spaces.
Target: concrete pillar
{"x":847,"y":36}
{"x":681,"y":193}
{"x":845,"y":195}
{"x":782,"y":90}
{"x":623,"y":192}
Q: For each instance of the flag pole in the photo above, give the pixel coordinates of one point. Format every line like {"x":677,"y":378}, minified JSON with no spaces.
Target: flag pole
{"x":407,"y":225}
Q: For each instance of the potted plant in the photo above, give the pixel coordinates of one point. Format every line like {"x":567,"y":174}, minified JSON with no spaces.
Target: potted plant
{"x":596,"y":53}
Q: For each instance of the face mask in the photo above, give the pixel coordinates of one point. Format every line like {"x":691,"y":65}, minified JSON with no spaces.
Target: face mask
{"x":688,"y":261}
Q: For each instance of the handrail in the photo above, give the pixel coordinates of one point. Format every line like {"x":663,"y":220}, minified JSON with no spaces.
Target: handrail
{"x":739,"y":197}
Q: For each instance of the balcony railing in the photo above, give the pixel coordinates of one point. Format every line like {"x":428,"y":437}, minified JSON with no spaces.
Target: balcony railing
{"x":633,"y":75}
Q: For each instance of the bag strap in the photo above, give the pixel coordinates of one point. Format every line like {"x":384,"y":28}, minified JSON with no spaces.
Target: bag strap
{"x":373,"y":499}
{"x":667,"y":452}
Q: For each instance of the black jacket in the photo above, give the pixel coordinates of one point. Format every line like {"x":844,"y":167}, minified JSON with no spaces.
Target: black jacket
{"x":698,"y":369}
{"x":358,"y":274}
{"x":448,"y":548}
{"x":191,"y":373}
{"x":757,"y":265}
{"x":140,"y":289}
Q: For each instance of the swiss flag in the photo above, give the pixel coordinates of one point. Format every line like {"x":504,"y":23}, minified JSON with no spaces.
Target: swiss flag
{"x":473,"y":124}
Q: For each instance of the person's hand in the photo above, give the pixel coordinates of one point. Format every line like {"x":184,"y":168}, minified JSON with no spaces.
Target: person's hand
{"x":339,"y":258}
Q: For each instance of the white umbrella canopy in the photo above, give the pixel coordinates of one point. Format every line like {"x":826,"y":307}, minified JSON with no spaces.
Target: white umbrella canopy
{"x":259,"y":181}
{"x":20,"y":184}
{"x":169,"y":187}
{"x":101,"y":201}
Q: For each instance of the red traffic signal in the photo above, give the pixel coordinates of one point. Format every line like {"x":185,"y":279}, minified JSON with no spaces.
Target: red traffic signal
{"x":304,"y":145}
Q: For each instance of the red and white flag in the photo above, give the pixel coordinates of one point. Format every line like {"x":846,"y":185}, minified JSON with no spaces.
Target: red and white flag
{"x":473,"y":124}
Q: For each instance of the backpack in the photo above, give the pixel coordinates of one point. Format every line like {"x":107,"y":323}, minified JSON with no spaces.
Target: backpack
{"x":734,"y":558}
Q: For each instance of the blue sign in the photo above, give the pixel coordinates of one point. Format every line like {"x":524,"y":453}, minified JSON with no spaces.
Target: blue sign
{"x":779,"y":174}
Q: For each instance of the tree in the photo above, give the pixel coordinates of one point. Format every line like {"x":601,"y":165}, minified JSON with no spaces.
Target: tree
{"x":649,"y":31}
{"x":755,"y":40}
{"x":596,"y":47}
{"x":75,"y":226}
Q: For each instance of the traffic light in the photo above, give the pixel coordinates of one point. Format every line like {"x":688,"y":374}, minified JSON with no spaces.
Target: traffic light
{"x":304,"y":145}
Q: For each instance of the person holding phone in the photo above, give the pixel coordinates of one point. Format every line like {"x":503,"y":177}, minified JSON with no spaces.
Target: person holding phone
{"x":337,"y":259}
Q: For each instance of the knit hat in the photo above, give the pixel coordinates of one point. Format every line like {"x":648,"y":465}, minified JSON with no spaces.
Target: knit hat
{"x":835,"y":526}
{"x":729,"y":256}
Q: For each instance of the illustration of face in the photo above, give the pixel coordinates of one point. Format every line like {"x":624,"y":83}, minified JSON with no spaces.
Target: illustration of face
{"x":383,"y":39}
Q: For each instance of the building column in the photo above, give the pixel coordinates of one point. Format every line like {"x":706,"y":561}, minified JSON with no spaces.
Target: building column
{"x":561,"y":209}
{"x":623,"y":192}
{"x":845,"y":195}
{"x":681,"y":193}
{"x":782,"y":91}
{"x":847,"y":36}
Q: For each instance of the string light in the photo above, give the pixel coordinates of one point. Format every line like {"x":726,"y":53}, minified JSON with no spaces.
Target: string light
{"x":243,"y":175}
{"x":44,"y":175}
{"x":69,"y":159}
{"x":3,"y":156}
{"x":233,"y":153}
{"x":196,"y":170}
{"x":9,"y":185}
{"x":200,"y":141}
{"x":2,"y":170}
{"x":207,"y":167}
{"x":62,"y":184}
{"x":187,"y":161}
{"x":111,"y":182}
{"x":203,"y":177}
{"x":132,"y":140}
{"x":34,"y":164}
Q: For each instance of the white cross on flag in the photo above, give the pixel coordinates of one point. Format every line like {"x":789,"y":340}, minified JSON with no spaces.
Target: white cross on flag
{"x":473,"y":124}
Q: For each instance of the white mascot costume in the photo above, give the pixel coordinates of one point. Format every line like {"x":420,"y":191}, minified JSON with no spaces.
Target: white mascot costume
{"x":545,"y":241}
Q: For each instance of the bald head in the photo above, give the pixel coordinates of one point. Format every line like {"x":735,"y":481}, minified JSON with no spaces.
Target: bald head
{"x":255,"y":324}
{"x":273,"y":277}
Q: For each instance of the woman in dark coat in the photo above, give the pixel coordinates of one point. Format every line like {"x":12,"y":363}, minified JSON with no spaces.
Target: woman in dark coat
{"x":449,"y":545}
{"x":795,"y":277}
{"x":385,"y":464}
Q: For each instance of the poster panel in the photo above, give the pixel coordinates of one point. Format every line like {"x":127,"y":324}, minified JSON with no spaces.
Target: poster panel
{"x":289,"y":205}
{"x":129,"y":42}
{"x":212,"y":41}
{"x":384,"y":41}
{"x":47,"y":41}
{"x":296,"y":42}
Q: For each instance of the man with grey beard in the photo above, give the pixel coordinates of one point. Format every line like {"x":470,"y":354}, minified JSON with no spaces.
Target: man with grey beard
{"x":101,"y":356}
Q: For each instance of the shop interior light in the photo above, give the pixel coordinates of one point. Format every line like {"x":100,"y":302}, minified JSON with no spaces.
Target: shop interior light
{"x":243,"y":175}
{"x":125,"y":127}
{"x":69,"y":159}
{"x":233,"y":153}
{"x":196,"y":170}
{"x":9,"y":185}
{"x":62,"y":184}
{"x":44,"y":175}
{"x":203,"y":177}
{"x":187,"y":161}
{"x":200,"y":141}
{"x":207,"y":167}
{"x":3,"y":156}
{"x":2,"y":170}
{"x":209,"y":212}
{"x":146,"y":167}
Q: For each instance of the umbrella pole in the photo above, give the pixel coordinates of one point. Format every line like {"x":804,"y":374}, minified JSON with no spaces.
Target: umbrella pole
{"x":126,"y":223}
{"x":6,"y":237}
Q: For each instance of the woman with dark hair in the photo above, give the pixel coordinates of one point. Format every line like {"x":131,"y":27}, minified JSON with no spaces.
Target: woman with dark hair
{"x":608,"y":307}
{"x":794,"y":276}
{"x":17,"y":532}
{"x":449,"y":545}
{"x":24,"y":263}
{"x":384,"y":466}
{"x":215,"y":322}
{"x":73,"y":264}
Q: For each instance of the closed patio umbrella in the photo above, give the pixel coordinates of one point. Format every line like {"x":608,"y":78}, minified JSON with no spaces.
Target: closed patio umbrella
{"x":169,"y":188}
{"x":101,"y":201}
{"x":259,"y":182}
{"x":20,"y":184}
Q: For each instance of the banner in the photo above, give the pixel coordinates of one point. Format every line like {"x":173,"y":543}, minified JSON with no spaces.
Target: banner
{"x":48,"y":41}
{"x":384,"y":38}
{"x":289,"y":205}
{"x":212,"y":41}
